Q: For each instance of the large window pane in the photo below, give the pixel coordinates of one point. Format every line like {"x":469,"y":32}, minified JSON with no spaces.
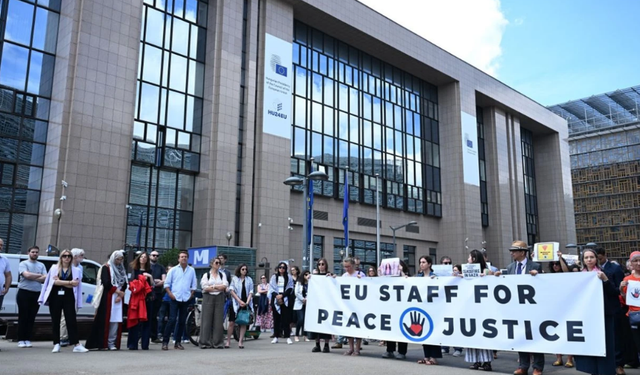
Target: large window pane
{"x":149,"y":102}
{"x":19,"y":21}
{"x":155,"y":27}
{"x":178,"y":73}
{"x":175,"y":116}
{"x":40,"y":74}
{"x":152,"y":61}
{"x":45,"y":32}
{"x":13,"y":68}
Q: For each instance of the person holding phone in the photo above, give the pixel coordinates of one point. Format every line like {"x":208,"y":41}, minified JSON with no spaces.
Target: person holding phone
{"x":62,"y":291}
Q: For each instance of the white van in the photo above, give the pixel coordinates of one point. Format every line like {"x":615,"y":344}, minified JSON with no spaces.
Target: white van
{"x":89,"y":279}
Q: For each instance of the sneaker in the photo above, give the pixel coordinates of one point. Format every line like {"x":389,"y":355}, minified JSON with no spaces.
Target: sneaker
{"x":274,"y":341}
{"x":289,"y":342}
{"x":185,"y":341}
{"x":457,"y":353}
{"x":64,"y":343}
{"x":400,"y":356}
{"x":80,"y":349}
{"x":56,"y":348}
{"x":113,"y":348}
{"x":387,"y":355}
{"x":28,"y":344}
{"x":297,"y":339}
{"x":21,"y":344}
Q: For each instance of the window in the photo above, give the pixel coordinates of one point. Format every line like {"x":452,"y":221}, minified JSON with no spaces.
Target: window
{"x":409,"y":257}
{"x":364,"y":250}
{"x":529,"y":178}
{"x":351,"y":109}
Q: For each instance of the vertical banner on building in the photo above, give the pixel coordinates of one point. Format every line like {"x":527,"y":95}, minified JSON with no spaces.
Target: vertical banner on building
{"x":278,"y":69}
{"x":470,"y":149}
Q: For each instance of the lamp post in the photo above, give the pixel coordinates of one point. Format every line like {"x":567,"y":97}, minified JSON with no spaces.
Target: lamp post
{"x":394,"y":229}
{"x":304,"y":181}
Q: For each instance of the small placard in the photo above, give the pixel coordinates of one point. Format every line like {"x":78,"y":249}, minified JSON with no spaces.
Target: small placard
{"x":545,"y":251}
{"x":442,"y":269}
{"x":633,"y":293}
{"x":471,"y":270}
{"x":390,"y":267}
{"x":570,"y":259}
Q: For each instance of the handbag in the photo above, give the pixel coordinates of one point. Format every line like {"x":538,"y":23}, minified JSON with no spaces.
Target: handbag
{"x":243,"y":318}
{"x":634,"y":318}
{"x":97,"y":294}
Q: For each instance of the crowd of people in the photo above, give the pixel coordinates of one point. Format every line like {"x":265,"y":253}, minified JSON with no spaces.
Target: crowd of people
{"x":154,"y":293}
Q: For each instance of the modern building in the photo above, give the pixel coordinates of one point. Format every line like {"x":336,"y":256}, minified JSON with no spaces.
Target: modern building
{"x":171,"y":123}
{"x":604,"y":142}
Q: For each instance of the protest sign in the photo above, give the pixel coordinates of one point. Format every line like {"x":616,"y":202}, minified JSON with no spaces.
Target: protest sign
{"x":633,"y":293}
{"x":545,"y":251}
{"x":390,"y":267}
{"x":471,"y":270}
{"x":509,"y":312}
{"x":570,"y":259}
{"x":442,"y":269}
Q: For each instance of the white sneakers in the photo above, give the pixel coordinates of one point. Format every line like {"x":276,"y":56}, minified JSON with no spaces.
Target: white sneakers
{"x":56,"y":348}
{"x":80,"y":349}
{"x":289,"y":342}
{"x":28,"y":344}
{"x":22,"y":344}
{"x":457,"y":353}
{"x":274,"y":341}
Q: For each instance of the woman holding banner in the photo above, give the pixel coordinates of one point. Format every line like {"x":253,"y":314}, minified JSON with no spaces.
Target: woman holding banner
{"x":391,"y":345}
{"x":602,"y":365}
{"x":634,"y":260}
{"x":481,"y":358}
{"x":321,"y":270}
{"x":431,"y":352}
{"x":559,"y":267}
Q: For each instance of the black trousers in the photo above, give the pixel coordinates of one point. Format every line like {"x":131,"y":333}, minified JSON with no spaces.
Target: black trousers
{"x":28,"y":307}
{"x":525,"y":360}
{"x":65,"y":303}
{"x":282,"y":322}
{"x":402,"y":347}
{"x":153,"y":315}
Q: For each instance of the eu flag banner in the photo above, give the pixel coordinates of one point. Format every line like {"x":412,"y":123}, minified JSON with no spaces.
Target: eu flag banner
{"x":345,"y":209}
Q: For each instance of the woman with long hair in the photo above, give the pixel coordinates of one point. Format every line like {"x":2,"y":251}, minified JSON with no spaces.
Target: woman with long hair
{"x":106,"y":331}
{"x":431,"y":352}
{"x":601,"y":365}
{"x":321,"y":270}
{"x":391,"y":345}
{"x":560,"y":266}
{"x":241,"y":293}
{"x":295,"y":275}
{"x":300,"y":305}
{"x":282,"y":297}
{"x":140,"y":266}
{"x":264,"y":318}
{"x":214,"y":285}
{"x":481,"y":358}
{"x":62,"y":291}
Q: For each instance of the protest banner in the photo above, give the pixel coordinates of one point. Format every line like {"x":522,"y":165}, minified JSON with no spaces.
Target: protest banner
{"x":508,"y":312}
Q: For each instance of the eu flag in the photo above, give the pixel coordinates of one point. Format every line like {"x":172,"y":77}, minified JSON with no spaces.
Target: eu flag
{"x":345,"y":209}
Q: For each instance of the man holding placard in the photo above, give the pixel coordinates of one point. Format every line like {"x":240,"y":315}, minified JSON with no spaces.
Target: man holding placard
{"x":522,"y":266}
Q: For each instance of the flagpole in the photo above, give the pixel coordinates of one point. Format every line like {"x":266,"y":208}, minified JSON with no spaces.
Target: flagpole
{"x":345,"y":218}
{"x":305,"y":209}
{"x":377,"y":219}
{"x":310,"y":240}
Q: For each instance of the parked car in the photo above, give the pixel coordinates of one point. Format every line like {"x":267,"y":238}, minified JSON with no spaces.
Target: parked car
{"x":89,"y":279}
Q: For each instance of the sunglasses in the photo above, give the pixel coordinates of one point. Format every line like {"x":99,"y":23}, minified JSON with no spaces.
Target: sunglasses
{"x":65,"y":256}
{"x":322,"y":264}
{"x":243,"y":269}
{"x":154,"y":255}
{"x":281,"y":267}
{"x":216,"y":262}
{"x":446,"y":263}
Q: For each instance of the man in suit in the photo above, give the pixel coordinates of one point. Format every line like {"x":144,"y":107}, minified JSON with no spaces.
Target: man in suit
{"x":521,"y":265}
{"x":616,"y":275}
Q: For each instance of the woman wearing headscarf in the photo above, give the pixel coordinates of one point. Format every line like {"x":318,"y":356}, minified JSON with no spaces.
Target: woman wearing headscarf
{"x":241,"y":289}
{"x":282,"y":298}
{"x":107,"y":323}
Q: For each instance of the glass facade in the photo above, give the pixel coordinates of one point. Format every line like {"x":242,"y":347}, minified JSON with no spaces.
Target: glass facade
{"x":482,"y":160}
{"x":365,"y":250}
{"x":409,"y":257}
{"x":28,"y":46}
{"x":529,"y":178}
{"x":168,"y":123}
{"x":352,"y":109}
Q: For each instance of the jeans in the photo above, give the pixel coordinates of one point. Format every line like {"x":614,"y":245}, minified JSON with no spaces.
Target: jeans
{"x":1,"y":299}
{"x":153,"y":318}
{"x":300,"y":322}
{"x":163,"y":317}
{"x":177,"y":320}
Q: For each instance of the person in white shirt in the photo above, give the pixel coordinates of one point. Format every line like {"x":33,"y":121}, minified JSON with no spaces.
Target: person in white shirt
{"x":78,"y":257}
{"x":349,"y":266}
{"x":180,"y":286}
{"x":214,"y":285}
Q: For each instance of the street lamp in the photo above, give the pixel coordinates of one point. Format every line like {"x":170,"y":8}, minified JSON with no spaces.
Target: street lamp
{"x":394,"y":229}
{"x":304,"y":181}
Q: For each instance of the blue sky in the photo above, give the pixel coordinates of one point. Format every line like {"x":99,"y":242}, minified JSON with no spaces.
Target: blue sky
{"x":551,"y":51}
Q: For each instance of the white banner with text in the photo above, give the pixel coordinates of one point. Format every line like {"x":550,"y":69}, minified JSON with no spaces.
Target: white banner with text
{"x":557,"y":313}
{"x":277,"y":86}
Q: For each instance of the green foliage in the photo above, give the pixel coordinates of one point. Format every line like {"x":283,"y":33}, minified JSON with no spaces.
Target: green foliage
{"x":169,"y":257}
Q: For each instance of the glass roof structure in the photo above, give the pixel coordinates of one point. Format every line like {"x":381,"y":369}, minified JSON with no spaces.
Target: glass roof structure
{"x":600,"y":112}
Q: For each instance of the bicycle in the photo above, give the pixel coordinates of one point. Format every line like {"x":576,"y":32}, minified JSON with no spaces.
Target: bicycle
{"x":194,"y":320}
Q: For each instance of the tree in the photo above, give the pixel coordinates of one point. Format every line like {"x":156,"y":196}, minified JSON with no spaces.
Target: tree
{"x":169,"y":257}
